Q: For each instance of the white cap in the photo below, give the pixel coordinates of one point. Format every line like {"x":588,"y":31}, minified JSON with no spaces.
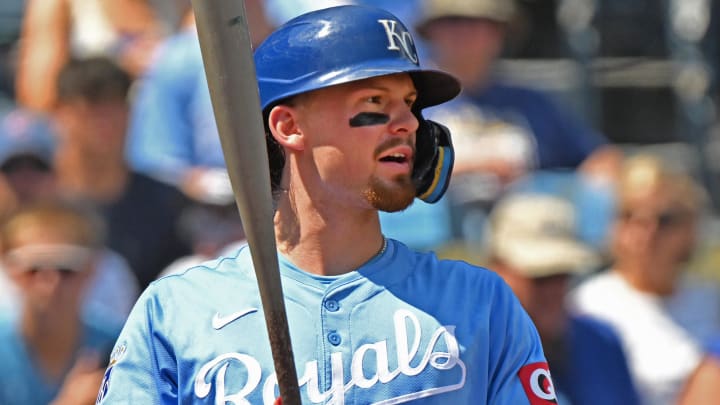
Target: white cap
{"x":535,"y":234}
{"x":501,"y":11}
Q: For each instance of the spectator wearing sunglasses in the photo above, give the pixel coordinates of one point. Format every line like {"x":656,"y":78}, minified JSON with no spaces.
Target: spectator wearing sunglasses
{"x":27,"y":175}
{"x":662,"y":314}
{"x":50,"y":353}
{"x":532,"y":243}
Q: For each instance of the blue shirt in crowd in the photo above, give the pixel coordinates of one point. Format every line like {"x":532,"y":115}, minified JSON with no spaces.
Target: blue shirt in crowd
{"x":594,"y":369}
{"x":172,"y":126}
{"x":23,"y":382}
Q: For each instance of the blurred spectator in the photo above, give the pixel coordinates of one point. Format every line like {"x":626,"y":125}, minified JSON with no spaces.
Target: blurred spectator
{"x":533,"y":247}
{"x":173,"y":136}
{"x":55,"y":31}
{"x":50,"y":353}
{"x":703,"y":386}
{"x":662,"y":314}
{"x":210,"y":230}
{"x":110,"y":296}
{"x":518,"y":128}
{"x":594,"y":202}
{"x":27,"y":144}
{"x":142,"y":213}
{"x":27,"y":147}
{"x":500,"y":131}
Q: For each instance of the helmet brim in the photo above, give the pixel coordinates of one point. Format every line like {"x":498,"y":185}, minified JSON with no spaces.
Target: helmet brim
{"x":434,"y":87}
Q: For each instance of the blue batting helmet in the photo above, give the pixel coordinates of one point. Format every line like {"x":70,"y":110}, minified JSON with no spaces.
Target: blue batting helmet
{"x":342,"y":44}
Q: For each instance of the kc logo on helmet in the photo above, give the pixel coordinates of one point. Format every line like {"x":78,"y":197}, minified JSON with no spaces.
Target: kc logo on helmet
{"x":536,"y":381}
{"x":397,"y":35}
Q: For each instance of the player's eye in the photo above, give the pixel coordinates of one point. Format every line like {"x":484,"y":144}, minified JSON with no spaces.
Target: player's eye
{"x":410,"y":101}
{"x":374,"y":100}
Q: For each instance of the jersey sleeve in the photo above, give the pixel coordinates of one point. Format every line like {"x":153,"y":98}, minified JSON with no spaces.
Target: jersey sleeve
{"x":519,"y":372}
{"x":142,"y":367}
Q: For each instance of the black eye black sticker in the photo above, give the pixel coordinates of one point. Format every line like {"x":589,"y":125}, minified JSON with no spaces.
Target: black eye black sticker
{"x":365,"y":119}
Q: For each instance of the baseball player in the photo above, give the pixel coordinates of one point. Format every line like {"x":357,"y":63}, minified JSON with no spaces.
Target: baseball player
{"x":371,"y":321}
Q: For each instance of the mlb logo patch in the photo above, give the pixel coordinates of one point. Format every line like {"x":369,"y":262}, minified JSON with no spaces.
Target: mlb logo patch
{"x":117,"y":354}
{"x":536,"y":382}
{"x":104,"y":386}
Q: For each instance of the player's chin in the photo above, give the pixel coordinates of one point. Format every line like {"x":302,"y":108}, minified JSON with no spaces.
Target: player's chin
{"x":391,"y":196}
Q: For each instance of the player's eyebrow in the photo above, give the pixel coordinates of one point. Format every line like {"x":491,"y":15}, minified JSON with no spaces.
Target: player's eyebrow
{"x":411,"y":93}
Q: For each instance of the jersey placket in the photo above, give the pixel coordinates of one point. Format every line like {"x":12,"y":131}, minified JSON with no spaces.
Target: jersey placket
{"x":338,"y":348}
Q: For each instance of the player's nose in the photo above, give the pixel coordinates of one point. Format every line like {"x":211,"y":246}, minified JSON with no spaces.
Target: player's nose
{"x":404,"y":122}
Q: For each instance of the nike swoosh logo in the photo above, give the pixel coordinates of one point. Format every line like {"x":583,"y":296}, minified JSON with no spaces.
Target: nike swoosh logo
{"x":219,"y":322}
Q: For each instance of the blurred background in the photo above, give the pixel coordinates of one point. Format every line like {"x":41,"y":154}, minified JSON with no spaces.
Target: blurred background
{"x":106,"y":102}
{"x":643,"y":73}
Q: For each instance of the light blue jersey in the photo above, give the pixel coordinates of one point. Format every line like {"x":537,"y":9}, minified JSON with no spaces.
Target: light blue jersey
{"x":405,"y":327}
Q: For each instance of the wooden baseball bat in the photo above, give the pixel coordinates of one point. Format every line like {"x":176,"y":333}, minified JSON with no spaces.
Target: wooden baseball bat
{"x":230,"y":69}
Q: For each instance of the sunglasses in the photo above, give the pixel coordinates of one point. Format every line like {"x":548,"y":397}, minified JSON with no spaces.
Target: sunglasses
{"x":63,"y":258}
{"x":63,"y":272}
{"x":665,"y":219}
{"x":25,"y":163}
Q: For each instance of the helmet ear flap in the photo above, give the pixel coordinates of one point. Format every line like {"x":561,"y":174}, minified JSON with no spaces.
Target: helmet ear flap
{"x":434,"y":159}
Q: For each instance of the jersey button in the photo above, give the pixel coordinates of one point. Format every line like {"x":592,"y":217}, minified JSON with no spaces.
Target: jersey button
{"x":334,"y":338}
{"x":332,"y":305}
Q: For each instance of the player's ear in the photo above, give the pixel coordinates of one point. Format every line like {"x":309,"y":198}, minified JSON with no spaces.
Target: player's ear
{"x":284,"y":128}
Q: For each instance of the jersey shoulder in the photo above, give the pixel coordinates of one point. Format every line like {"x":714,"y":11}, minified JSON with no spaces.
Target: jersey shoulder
{"x":468,"y":282}
{"x":429,"y":264}
{"x":231,"y":271}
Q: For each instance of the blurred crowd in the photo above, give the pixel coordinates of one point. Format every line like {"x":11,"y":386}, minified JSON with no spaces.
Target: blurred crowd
{"x":112,"y":175}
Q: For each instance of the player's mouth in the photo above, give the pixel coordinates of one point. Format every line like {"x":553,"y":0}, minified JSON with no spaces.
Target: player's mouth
{"x":398,"y":158}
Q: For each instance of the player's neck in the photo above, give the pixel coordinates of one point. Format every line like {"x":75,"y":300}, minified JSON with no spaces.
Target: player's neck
{"x":325,"y":241}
